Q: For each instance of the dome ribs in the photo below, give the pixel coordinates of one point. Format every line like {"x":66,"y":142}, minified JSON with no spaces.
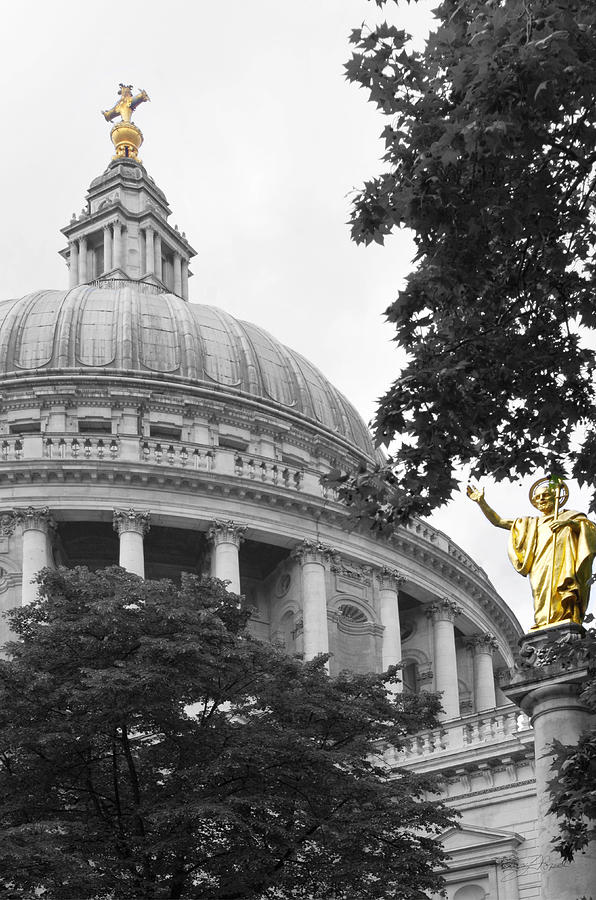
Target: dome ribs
{"x":96,"y":328}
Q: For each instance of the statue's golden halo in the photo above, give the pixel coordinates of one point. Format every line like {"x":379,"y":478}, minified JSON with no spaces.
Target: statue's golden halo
{"x":563,"y":496}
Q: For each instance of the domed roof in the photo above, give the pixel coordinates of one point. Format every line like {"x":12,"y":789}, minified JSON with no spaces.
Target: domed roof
{"x":129,"y":327}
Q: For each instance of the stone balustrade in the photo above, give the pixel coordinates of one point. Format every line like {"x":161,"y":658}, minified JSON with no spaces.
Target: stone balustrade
{"x":492,"y":728}
{"x":166,"y":454}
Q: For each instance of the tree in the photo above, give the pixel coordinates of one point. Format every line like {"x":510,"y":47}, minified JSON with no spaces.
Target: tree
{"x":490,"y":152}
{"x":151,"y":748}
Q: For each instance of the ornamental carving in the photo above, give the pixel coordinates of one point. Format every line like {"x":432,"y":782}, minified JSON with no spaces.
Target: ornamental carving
{"x":31,"y":518}
{"x":482,"y":643}
{"x":360,"y":574}
{"x":127,"y":520}
{"x":445,"y":610}
{"x":226,"y":532}
{"x":8,"y":522}
{"x":389,"y":579}
{"x":313,"y":552}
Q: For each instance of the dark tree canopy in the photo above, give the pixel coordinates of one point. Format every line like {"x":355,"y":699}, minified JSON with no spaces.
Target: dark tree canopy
{"x":149,"y":747}
{"x":490,"y":152}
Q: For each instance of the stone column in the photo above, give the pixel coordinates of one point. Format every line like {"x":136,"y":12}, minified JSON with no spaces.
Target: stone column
{"x":312,"y":557}
{"x":482,"y":647}
{"x":107,"y":248}
{"x":117,"y":254}
{"x":226,"y":538}
{"x":442,"y":616}
{"x":184,"y":278}
{"x":149,"y":250}
{"x":132,"y":526}
{"x":36,"y":525}
{"x":177,"y":274}
{"x":73,"y":259}
{"x":550,"y":694}
{"x":82,"y":260}
{"x":389,"y":581}
{"x":157,"y":255}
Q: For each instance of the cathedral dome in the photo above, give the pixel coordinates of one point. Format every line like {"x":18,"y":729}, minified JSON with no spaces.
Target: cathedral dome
{"x":135,"y":329}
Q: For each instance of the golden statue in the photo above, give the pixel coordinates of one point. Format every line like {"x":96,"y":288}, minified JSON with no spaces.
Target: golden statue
{"x":555,"y":549}
{"x":127,"y":138}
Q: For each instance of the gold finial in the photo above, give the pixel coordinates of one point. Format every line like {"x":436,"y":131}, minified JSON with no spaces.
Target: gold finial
{"x":126,"y":137}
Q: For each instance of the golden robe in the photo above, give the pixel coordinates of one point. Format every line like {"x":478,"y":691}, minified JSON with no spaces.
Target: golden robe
{"x":564,"y":595}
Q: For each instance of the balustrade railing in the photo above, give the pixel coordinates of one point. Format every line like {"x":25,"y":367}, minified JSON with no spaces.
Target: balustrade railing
{"x":493,"y":727}
{"x":175,"y":455}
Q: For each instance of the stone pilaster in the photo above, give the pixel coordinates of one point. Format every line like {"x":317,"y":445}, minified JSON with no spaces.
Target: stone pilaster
{"x":177,"y":274}
{"x":149,"y":250}
{"x":73,"y":264}
{"x":157,"y":254}
{"x":389,"y":582}
{"x":117,"y":246}
{"x":131,"y":527}
{"x":482,"y":647}
{"x":313,"y":556}
{"x":36,"y":526}
{"x":107,"y":249}
{"x":225,"y":538}
{"x":82,"y":260}
{"x":443,"y":615}
{"x":184,"y":279}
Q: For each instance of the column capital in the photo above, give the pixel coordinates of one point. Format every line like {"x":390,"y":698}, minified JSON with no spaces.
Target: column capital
{"x":389,"y":579}
{"x":130,"y":520}
{"x":226,"y":533}
{"x":107,"y":226}
{"x":446,"y":610}
{"x":482,"y":643}
{"x":32,"y":518}
{"x":312,"y":552}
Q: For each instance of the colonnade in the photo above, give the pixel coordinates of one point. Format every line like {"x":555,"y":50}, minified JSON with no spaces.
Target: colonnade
{"x":226,"y":538}
{"x":115,"y":257}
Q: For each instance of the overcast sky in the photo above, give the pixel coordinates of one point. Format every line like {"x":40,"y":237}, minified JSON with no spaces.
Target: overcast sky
{"x":258,"y":142}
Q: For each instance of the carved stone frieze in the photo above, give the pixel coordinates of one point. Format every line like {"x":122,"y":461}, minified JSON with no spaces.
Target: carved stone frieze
{"x":351,"y":571}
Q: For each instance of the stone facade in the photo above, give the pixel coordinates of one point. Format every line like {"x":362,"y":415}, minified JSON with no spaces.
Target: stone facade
{"x":139,"y":429}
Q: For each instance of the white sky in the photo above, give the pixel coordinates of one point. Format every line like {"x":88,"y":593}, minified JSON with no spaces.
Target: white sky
{"x":257,"y":141}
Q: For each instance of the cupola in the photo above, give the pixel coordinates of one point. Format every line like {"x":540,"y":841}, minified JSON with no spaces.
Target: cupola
{"x":122,"y":232}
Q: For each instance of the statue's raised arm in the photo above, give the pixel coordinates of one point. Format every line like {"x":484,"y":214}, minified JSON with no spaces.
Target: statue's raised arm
{"x":477,"y":495}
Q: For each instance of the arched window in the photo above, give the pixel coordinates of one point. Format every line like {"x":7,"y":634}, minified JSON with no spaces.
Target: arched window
{"x":470,"y":892}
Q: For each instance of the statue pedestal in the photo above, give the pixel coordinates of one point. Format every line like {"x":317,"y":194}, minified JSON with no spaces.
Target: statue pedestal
{"x":549,"y":693}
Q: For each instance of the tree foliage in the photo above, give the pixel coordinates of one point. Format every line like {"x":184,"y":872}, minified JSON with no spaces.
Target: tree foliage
{"x":150,"y":747}
{"x":490,"y":152}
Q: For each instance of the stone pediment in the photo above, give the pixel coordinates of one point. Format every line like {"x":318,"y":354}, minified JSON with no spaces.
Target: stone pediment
{"x":474,"y":837}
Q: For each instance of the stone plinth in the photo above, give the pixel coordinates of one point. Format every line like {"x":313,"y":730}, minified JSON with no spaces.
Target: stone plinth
{"x":549,"y":693}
